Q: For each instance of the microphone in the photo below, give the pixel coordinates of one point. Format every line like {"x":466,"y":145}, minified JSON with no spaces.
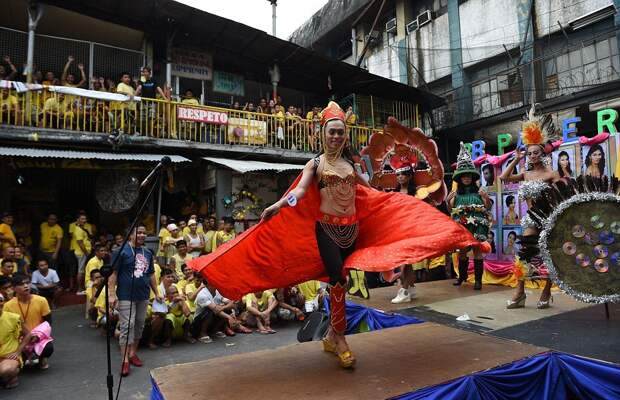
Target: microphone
{"x":163,"y":163}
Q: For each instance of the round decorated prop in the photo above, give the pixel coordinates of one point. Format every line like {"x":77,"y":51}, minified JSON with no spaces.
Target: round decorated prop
{"x":399,"y":146}
{"x":117,"y":191}
{"x":580,"y":240}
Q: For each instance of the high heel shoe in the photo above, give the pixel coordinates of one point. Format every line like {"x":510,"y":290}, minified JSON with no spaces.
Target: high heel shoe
{"x":518,"y":303}
{"x":329,"y":346}
{"x":347,"y":359}
{"x":541,"y":305}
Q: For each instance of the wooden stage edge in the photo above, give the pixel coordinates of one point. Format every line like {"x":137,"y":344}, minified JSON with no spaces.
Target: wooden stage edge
{"x":390,"y":362}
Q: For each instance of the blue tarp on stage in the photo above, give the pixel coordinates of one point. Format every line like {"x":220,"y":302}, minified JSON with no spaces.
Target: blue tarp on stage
{"x":551,"y":375}
{"x":358,"y":314}
{"x":155,"y":393}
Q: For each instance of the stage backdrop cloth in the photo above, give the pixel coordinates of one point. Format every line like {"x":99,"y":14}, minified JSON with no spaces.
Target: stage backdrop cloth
{"x":551,"y":375}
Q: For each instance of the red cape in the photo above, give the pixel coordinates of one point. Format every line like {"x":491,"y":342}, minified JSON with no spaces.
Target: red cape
{"x":395,"y":229}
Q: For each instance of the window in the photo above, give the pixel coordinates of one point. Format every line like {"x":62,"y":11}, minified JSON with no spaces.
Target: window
{"x":588,"y":65}
{"x":501,"y":93}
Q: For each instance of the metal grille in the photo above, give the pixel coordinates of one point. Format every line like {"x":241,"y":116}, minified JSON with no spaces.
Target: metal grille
{"x":110,"y":62}
{"x":51,"y":54}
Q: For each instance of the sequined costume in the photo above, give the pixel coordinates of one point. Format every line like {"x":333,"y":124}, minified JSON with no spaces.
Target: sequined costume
{"x":528,"y":263}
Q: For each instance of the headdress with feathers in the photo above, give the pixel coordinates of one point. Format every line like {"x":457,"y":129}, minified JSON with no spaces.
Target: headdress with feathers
{"x":538,"y":129}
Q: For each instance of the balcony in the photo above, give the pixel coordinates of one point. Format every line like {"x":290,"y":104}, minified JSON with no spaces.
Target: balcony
{"x":78,"y":115}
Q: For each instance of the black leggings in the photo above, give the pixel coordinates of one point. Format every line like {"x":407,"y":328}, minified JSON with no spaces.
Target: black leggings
{"x":47,"y":350}
{"x":332,"y":255}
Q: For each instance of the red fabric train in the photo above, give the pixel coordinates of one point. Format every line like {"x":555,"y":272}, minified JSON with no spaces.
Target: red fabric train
{"x":395,"y":229}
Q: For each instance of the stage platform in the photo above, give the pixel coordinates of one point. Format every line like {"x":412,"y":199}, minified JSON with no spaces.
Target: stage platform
{"x":390,"y":362}
{"x":440,"y":302}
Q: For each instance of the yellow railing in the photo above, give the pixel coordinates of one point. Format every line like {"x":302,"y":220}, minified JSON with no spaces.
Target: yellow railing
{"x":161,"y":119}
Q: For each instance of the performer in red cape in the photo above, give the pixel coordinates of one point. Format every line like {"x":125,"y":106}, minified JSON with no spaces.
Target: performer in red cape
{"x":328,"y":221}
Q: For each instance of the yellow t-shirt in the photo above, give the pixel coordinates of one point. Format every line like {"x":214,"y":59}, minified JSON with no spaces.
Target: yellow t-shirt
{"x":209,"y":241}
{"x":190,"y":102}
{"x":32,"y":313}
{"x":7,"y":232}
{"x":10,"y":102}
{"x":10,"y":331}
{"x":53,"y":105}
{"x":81,"y":234}
{"x":178,"y":262}
{"x":309,"y":289}
{"x":129,"y":91}
{"x":100,"y":305}
{"x":188,"y":289}
{"x":199,"y":230}
{"x":352,"y":119}
{"x":163,"y":234}
{"x":50,"y":236}
{"x":220,"y":238}
{"x":92,"y":264}
{"x":248,"y":299}
{"x":90,"y":228}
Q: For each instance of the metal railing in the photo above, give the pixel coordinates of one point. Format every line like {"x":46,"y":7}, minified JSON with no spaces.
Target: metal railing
{"x":168,"y":120}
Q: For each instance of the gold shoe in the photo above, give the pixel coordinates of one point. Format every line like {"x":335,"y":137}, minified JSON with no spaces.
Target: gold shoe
{"x":518,"y":303}
{"x":347,"y":360}
{"x":329,"y":346}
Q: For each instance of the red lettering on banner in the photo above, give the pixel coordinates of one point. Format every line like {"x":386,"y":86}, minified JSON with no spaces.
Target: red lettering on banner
{"x":199,"y":115}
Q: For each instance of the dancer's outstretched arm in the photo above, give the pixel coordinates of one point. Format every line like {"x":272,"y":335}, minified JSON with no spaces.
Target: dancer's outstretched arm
{"x":294,"y":195}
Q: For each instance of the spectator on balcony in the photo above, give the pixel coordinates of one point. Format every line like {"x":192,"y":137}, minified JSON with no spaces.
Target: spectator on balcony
{"x":350,"y":116}
{"x":189,"y":99}
{"x":57,"y":112}
{"x":125,"y":87}
{"x":147,"y":87}
{"x":314,"y":128}
{"x":236,"y":106}
{"x":4,"y":74}
{"x":9,"y":106}
{"x":50,"y":78}
{"x":98,"y":84}
{"x":262,"y":107}
{"x":68,"y":79}
{"x":249,"y":107}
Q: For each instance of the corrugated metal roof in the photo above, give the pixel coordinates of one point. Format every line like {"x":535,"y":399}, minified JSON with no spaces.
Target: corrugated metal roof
{"x":244,"y":166}
{"x":86,"y":155}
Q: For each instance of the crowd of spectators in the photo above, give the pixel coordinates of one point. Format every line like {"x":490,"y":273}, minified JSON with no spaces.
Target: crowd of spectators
{"x":68,"y":261}
{"x":65,"y":111}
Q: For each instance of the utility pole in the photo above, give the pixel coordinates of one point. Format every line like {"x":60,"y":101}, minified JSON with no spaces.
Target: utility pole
{"x":275,"y":71}
{"x":274,"y":4}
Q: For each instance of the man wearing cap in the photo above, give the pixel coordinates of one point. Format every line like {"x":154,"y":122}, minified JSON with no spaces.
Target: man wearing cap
{"x":7,"y":237}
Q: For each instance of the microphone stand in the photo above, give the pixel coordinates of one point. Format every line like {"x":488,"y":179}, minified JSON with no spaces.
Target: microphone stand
{"x":108,"y":269}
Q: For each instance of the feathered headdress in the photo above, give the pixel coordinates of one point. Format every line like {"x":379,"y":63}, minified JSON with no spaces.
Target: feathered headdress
{"x":537,"y":129}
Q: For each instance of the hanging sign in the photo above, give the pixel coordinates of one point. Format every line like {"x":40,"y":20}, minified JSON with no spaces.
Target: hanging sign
{"x":192,"y":64}
{"x":224,"y":82}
